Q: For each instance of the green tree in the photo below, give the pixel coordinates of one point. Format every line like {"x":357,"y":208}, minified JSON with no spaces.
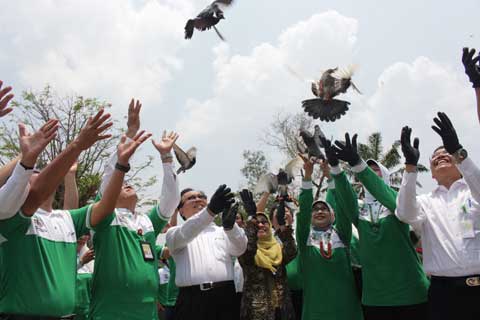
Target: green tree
{"x":256,"y":165}
{"x":35,"y":108}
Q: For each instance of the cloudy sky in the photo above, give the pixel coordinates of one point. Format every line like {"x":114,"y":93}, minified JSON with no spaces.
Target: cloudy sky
{"x":221,"y":96}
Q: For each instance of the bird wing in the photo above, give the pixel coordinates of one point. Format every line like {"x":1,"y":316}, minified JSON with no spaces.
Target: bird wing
{"x":189,"y":28}
{"x":293,"y":168}
{"x":312,"y":147}
{"x":267,"y":183}
{"x":301,"y":147}
{"x":182,"y":156}
{"x":222,"y":4}
{"x":325,"y":110}
{"x":355,"y":87}
{"x":344,"y":73}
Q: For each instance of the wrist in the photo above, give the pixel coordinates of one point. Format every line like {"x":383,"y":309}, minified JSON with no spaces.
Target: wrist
{"x":28,"y":162}
{"x":121,"y":166}
{"x":131,"y":133}
{"x":27,"y":166}
{"x":166,"y":156}
{"x":210,"y":212}
{"x":410,"y":168}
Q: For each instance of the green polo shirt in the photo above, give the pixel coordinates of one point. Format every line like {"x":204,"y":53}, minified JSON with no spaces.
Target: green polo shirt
{"x":40,"y":262}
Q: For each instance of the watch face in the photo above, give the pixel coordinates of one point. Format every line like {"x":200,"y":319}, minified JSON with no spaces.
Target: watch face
{"x":463,"y":153}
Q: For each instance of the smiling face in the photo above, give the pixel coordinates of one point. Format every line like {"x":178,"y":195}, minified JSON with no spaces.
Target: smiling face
{"x":264,"y":227}
{"x":442,"y":165}
{"x":192,"y":202}
{"x":321,"y":215}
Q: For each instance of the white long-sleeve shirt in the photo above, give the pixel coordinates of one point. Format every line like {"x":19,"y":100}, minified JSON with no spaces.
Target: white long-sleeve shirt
{"x":448,"y":221}
{"x":203,"y":251}
{"x":14,"y":192}
{"x":170,"y":195}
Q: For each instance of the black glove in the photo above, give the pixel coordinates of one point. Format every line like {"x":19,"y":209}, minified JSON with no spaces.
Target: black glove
{"x":471,"y":66}
{"x":281,"y":213}
{"x":446,"y":130}
{"x":248,"y":203}
{"x":229,"y":216}
{"x":347,"y":151}
{"x":329,"y":152}
{"x":410,"y":153}
{"x":221,"y":199}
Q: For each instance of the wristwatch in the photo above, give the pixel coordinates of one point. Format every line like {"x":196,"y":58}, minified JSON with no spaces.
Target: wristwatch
{"x":122,"y":168}
{"x":460,"y":155}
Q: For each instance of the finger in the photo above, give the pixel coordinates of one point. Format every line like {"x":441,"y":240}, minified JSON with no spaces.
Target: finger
{"x":123,"y":139}
{"x":470,"y":54}
{"x":98,"y":122}
{"x":52,"y":130}
{"x":347,"y":140}
{"x":416,"y":143}
{"x":4,"y":102}
{"x":49,"y":125}
{"x":164,"y":134}
{"x":437,"y":130}
{"x":5,"y":112}
{"x":338,"y":145}
{"x":354,"y":141}
{"x":475,"y":60}
{"x":439,"y":123}
{"x":103,"y":137}
{"x":131,"y":106}
{"x":1,"y":84}
{"x":22,"y":130}
{"x":138,"y":135}
{"x":464,"y":55}
{"x":97,"y":116}
{"x":175,"y":138}
{"x":4,"y":91}
{"x":138,"y":106}
{"x":144,"y":138}
{"x":104,"y":127}
{"x":50,"y":137}
{"x":445,"y":119}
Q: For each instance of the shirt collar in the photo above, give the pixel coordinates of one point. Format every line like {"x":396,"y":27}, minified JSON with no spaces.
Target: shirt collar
{"x":460,"y":182}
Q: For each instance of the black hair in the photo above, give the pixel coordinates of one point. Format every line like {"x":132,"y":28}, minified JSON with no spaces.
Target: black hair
{"x":181,"y":195}
{"x":438,"y":148}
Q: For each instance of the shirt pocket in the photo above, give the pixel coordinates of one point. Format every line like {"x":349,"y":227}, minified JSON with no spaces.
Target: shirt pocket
{"x":220,"y":248}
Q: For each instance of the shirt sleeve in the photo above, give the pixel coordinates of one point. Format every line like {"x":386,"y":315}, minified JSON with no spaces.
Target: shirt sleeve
{"x":170,"y":196}
{"x":304,"y":216}
{"x":105,"y":223}
{"x":471,"y":174}
{"x":237,"y":241}
{"x":16,"y":225}
{"x":108,"y":172}
{"x":158,"y":221}
{"x":178,"y":237}
{"x":14,"y":192}
{"x":79,"y":217}
{"x":408,"y":208}
{"x":343,"y":221}
{"x":346,"y":196}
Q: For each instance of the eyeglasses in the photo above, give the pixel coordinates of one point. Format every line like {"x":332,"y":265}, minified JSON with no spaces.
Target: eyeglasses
{"x":197,"y":196}
{"x":262,"y":221}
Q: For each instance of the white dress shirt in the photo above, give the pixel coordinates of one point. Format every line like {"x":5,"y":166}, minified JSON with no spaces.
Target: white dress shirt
{"x":448,"y":221}
{"x":203,"y":251}
{"x":14,"y":192}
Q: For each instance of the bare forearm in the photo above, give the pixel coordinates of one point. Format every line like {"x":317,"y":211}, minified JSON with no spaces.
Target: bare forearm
{"x":49,"y":179}
{"x":6,"y":170}
{"x":109,"y":198}
{"x":70,"y":198}
{"x":262,"y":203}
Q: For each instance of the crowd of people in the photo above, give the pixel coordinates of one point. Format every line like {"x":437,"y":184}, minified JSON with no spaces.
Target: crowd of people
{"x":349,"y":256}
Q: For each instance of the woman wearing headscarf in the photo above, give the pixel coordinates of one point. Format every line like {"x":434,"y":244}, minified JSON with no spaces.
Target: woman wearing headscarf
{"x":265,"y":290}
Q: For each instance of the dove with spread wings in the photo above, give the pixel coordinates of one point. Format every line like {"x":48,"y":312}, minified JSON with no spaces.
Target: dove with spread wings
{"x":272,"y":183}
{"x":186,"y":159}
{"x":207,"y":19}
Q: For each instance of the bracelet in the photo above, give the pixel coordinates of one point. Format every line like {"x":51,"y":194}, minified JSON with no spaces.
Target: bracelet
{"x":122,"y":168}
{"x":26,"y":167}
{"x":166,"y":156}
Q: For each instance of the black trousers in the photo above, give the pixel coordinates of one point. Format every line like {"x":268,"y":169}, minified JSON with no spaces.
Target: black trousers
{"x":297,"y":301}
{"x":451,"y":299}
{"x":214,"y":304}
{"x":410,"y":312}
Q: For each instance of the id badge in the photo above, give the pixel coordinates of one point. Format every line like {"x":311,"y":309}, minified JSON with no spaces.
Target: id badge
{"x":164,"y":275}
{"x":147,"y":251}
{"x":468,"y":231}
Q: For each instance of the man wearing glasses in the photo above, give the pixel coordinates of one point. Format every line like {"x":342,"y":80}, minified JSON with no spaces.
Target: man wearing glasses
{"x":448,"y":220}
{"x":203,"y":256}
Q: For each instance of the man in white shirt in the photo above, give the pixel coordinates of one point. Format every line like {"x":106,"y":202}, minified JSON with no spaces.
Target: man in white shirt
{"x":203,"y":256}
{"x":448,"y":220}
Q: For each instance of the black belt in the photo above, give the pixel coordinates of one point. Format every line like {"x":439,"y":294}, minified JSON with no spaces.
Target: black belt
{"x":33,"y":317}
{"x":467,"y":281}
{"x":210,"y":285}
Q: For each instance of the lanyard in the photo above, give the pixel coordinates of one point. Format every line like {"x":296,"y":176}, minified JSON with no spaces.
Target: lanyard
{"x":375,"y":217}
{"x":327,"y":235}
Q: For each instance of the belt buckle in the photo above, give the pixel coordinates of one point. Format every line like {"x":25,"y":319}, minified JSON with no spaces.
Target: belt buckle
{"x":206,"y":286}
{"x":473,"y":281}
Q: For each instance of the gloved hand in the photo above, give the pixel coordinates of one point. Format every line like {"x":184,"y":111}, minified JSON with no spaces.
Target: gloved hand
{"x":347,"y":151}
{"x":282,"y":178}
{"x":472,"y":68}
{"x":229,"y":216}
{"x":221,"y":199}
{"x":411,"y":153}
{"x":281,"y":213}
{"x":248,"y":203}
{"x":329,"y":152}
{"x":446,"y":130}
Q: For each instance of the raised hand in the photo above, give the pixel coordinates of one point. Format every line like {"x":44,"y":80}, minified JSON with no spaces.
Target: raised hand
{"x":93,"y":130}
{"x":133,"y":121}
{"x":411,"y":153}
{"x":472,"y":69}
{"x":281,"y":213}
{"x":229,"y":216}
{"x":330,"y":153}
{"x":307,"y":167}
{"x":165,"y":145}
{"x":87,"y":257}
{"x":447,"y":132}
{"x":221,"y":199}
{"x":347,"y":151}
{"x":5,"y":98}
{"x":31,"y":145}
{"x":248,"y":203}
{"x":126,"y":149}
